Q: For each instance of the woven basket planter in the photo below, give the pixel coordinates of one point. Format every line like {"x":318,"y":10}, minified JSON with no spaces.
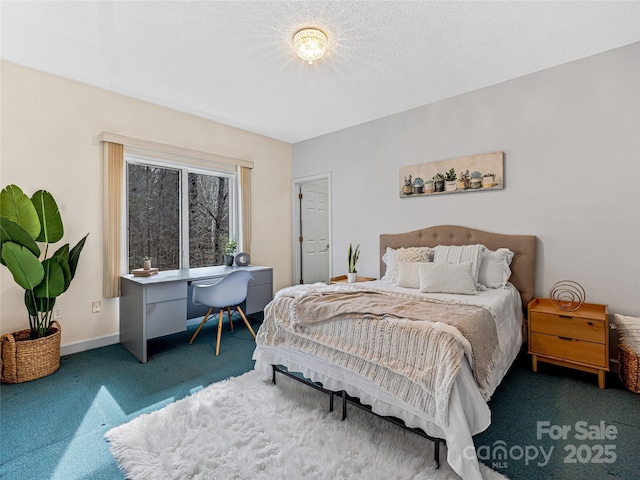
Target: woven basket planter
{"x":629,"y":368}
{"x":24,"y":359}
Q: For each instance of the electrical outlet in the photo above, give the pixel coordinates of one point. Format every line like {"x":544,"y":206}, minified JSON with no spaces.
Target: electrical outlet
{"x":57,"y":313}
{"x":96,"y":306}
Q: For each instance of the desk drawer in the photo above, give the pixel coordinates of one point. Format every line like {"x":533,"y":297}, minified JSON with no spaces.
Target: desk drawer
{"x":261,"y":277}
{"x":162,"y":292}
{"x":568,"y":349}
{"x":568,"y":326}
{"x":165,"y":318}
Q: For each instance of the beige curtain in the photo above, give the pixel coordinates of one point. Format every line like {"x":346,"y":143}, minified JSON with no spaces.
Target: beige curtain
{"x":245,"y":205}
{"x":113,"y":162}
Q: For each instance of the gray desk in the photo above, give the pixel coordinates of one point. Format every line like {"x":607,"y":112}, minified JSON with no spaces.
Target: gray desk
{"x":159,"y":305}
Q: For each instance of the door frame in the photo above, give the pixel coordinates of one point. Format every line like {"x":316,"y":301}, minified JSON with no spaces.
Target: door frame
{"x":295,"y":222}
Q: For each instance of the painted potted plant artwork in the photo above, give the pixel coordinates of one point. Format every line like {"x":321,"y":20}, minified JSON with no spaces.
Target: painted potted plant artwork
{"x":407,"y":188}
{"x":476,"y":180}
{"x":438,"y":182}
{"x":488,"y":180}
{"x":464,"y":180}
{"x":428,"y":186}
{"x":418,"y":183}
{"x":450,"y":181}
{"x":473,"y":173}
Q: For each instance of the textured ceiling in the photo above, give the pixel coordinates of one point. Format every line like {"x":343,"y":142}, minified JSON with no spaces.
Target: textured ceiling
{"x":233,"y":62}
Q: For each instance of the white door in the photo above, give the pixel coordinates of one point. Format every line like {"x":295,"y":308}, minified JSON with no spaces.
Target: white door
{"x":314,"y":231}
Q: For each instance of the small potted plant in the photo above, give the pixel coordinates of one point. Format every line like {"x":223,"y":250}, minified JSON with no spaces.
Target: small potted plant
{"x":417,"y":185}
{"x":438,"y":182}
{"x":450,"y":181}
{"x":352,"y":256}
{"x":428,"y":186}
{"x":34,"y":353}
{"x":146,"y":262}
{"x":488,"y":180}
{"x":476,"y":180}
{"x":407,"y":188}
{"x":229,"y":247}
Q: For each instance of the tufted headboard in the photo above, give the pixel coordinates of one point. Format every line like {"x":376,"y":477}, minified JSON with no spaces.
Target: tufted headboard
{"x":523,"y":265}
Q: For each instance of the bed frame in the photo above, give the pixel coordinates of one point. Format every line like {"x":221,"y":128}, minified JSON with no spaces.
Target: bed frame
{"x":522,"y":277}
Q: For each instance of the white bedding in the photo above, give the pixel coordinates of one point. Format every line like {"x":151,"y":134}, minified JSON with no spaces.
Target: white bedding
{"x":468,"y":413}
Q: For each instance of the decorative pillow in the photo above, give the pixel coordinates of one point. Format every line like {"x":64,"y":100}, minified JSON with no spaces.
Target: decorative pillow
{"x":461,"y":254}
{"x":409,"y":274}
{"x":447,"y":278}
{"x":629,"y":328}
{"x":494,"y":269}
{"x":393,"y":257}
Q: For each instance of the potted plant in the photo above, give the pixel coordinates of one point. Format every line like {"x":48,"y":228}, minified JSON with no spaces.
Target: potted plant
{"x":34,"y":353}
{"x":438,"y":182}
{"x":450,"y":181}
{"x":229,"y":247}
{"x":407,"y":188}
{"x":428,"y":186}
{"x":146,"y":262}
{"x":352,"y":256}
{"x":476,"y":180}
{"x":417,"y":185}
{"x":488,"y":180}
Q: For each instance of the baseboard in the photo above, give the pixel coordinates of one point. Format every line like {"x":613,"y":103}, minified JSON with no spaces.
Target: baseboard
{"x":195,"y":321}
{"x":83,"y":345}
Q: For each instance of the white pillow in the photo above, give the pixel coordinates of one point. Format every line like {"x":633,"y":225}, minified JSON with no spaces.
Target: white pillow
{"x":494,"y":269}
{"x":447,"y":278}
{"x":629,"y":328}
{"x":409,"y":274}
{"x":461,"y":254}
{"x":393,"y":257}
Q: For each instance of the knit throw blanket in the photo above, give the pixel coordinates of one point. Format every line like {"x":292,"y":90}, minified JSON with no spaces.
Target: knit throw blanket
{"x":411,"y":346}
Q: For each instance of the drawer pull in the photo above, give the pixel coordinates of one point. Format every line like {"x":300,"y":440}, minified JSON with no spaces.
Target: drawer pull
{"x":566,"y":338}
{"x":565,"y":316}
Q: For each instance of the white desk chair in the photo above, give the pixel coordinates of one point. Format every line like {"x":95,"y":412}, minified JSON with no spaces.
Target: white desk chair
{"x":227,"y":294}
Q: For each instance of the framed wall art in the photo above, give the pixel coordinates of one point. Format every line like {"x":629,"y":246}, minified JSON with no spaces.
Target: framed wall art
{"x":473,"y":173}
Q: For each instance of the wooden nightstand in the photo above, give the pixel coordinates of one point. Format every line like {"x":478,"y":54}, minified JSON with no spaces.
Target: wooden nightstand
{"x":343,"y":278}
{"x":578,"y":339}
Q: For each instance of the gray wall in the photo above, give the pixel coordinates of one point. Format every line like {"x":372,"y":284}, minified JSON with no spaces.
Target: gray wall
{"x":571,"y":137}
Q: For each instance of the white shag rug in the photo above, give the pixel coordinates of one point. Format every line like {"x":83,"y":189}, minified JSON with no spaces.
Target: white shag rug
{"x":246,"y":428}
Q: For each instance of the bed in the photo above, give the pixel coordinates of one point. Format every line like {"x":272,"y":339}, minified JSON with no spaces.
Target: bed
{"x":432,"y":360}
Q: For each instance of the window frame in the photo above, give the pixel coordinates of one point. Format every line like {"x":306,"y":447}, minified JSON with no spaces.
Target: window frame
{"x":184,"y":169}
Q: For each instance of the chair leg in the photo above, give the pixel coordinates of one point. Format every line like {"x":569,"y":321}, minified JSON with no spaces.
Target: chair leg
{"x":204,"y":320}
{"x":219,"y":332}
{"x":246,"y":322}
{"x":230,"y":319}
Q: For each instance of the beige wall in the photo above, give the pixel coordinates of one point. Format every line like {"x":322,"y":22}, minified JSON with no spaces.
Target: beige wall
{"x":48,"y":140}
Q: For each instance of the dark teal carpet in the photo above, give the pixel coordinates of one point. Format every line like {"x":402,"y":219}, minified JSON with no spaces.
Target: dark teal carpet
{"x":562,"y":398}
{"x":53,"y":428}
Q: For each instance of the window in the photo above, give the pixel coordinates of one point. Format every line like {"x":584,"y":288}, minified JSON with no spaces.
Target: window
{"x":178,"y":215}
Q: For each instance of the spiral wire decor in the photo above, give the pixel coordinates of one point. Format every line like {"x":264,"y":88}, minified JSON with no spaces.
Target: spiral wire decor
{"x":567,"y":295}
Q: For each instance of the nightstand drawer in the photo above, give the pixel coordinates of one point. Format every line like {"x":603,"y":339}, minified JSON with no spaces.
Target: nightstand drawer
{"x":568,"y":326}
{"x":568,"y":348}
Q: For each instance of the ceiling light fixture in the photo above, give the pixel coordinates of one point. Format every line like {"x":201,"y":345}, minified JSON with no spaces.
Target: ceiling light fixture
{"x":310,"y":44}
